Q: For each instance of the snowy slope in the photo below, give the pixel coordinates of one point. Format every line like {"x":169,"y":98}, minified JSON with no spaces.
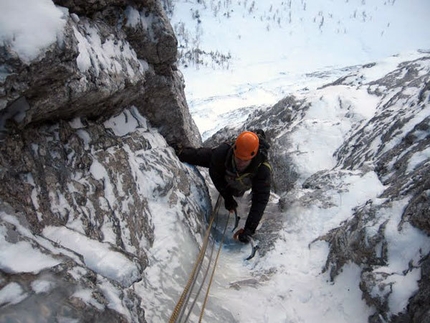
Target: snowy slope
{"x":243,"y":53}
{"x":316,"y":135}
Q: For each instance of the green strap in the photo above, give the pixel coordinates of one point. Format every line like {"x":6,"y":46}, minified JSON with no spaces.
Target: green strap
{"x":267,"y":165}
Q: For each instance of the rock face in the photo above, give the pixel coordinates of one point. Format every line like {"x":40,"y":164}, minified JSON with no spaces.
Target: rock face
{"x":111,"y":55}
{"x":83,"y":165}
{"x":83,"y":196}
{"x":397,"y":146}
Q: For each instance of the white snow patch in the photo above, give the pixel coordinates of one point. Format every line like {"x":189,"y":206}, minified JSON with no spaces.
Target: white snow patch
{"x":97,"y":256}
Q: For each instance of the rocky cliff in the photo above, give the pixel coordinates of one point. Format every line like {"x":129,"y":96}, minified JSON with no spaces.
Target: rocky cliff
{"x":81,"y":150}
{"x":81,"y":202}
{"x":110,"y":55}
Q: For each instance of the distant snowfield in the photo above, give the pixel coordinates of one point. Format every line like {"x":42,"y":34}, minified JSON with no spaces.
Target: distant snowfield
{"x":280,"y":47}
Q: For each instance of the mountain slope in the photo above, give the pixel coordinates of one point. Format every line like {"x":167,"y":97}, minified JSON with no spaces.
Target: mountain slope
{"x":236,"y":54}
{"x":349,"y":165}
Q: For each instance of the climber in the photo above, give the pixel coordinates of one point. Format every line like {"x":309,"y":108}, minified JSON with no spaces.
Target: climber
{"x":234,"y":168}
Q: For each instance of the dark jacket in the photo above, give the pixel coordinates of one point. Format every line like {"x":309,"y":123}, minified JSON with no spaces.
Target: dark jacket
{"x":229,"y":182}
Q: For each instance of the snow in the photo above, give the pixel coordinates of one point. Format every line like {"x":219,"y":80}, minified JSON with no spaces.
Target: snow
{"x":418,"y":158}
{"x":42,"y":286}
{"x":310,"y":46}
{"x":173,"y":245}
{"x":87,"y":297}
{"x":97,"y":256}
{"x":113,"y":297}
{"x":93,"y":49}
{"x":29,"y":26}
{"x":22,"y":257}
{"x":402,"y":261}
{"x":126,"y":122}
{"x":12,"y":293}
{"x":280,"y":47}
{"x":297,"y":291}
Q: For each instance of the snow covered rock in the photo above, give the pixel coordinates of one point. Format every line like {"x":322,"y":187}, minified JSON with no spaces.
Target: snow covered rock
{"x":99,"y":218}
{"x":96,"y":59}
{"x":388,"y":236}
{"x":83,"y":208}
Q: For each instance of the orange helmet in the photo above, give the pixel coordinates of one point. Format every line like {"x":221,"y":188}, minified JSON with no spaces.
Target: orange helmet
{"x":246,"y":145}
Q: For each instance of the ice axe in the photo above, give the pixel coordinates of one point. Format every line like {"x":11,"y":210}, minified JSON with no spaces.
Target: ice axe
{"x":254,"y":246}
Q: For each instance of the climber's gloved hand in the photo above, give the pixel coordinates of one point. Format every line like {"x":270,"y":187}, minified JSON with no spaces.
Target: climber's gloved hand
{"x":177,"y":147}
{"x":243,"y":235}
{"x":230,"y":203}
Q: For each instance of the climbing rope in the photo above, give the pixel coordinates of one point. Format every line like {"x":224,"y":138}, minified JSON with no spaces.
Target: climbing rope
{"x":201,"y":286}
{"x":213,"y":270}
{"x":206,"y":273}
{"x":186,"y":293}
{"x":179,"y":310}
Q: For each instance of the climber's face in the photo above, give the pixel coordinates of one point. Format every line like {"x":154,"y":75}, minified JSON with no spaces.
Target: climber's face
{"x":241,"y":164}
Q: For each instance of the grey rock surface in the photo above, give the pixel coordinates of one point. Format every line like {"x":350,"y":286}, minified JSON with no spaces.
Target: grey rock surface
{"x":104,"y":62}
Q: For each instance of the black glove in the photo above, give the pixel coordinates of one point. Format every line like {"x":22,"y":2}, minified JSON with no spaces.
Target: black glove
{"x":230,"y":203}
{"x":177,"y":147}
{"x":243,"y":235}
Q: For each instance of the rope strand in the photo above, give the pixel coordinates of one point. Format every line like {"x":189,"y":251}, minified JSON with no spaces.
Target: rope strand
{"x":213,"y":270}
{"x":179,"y":308}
